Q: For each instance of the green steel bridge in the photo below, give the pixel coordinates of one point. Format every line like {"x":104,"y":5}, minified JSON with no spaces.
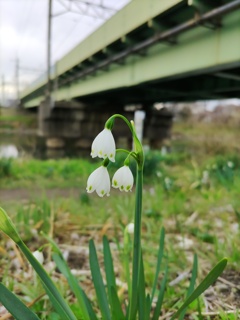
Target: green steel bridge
{"x":151,"y":51}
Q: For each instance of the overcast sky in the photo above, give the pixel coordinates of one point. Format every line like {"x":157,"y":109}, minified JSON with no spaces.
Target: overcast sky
{"x":23,"y":35}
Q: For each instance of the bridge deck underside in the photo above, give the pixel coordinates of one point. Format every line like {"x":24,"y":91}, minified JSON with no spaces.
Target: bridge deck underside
{"x":201,"y":63}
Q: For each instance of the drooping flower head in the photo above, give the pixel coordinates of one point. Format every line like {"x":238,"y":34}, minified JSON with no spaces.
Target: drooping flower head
{"x":123,"y":179}
{"x":39,"y":256}
{"x":99,"y":180}
{"x":103,"y":145}
{"x":130,"y":228}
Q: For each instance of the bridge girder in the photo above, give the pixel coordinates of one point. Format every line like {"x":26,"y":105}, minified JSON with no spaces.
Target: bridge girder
{"x":200,"y":62}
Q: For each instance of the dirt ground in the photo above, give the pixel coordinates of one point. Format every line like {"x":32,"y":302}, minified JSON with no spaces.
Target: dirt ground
{"x":27,"y":194}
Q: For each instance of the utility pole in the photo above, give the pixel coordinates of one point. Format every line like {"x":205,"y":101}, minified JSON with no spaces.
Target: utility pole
{"x":3,"y":90}
{"x":49,"y":40}
{"x":17,"y":81}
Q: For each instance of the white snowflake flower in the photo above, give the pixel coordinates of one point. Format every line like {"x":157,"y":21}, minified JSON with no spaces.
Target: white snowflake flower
{"x":123,"y":179}
{"x":230,"y":164}
{"x":99,"y":180}
{"x":130,"y":228}
{"x":39,"y":256}
{"x":103,"y":145}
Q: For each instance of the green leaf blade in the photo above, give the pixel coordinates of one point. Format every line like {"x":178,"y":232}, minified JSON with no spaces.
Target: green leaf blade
{"x":157,"y":310}
{"x":117,"y":309}
{"x":15,"y":306}
{"x":57,"y":300}
{"x":98,"y":282}
{"x":210,"y":278}
{"x":7,"y":226}
{"x":192,"y":283}
{"x":73,"y":283}
{"x":159,"y":261}
{"x":109,"y":270}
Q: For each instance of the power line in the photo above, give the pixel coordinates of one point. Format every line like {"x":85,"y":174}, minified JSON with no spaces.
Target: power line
{"x":80,"y":7}
{"x":87,"y":8}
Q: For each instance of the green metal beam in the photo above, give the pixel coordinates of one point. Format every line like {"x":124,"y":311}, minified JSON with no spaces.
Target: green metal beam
{"x":199,"y":50}
{"x":115,"y":28}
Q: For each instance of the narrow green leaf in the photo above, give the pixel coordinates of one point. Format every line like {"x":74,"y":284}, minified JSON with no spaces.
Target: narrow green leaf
{"x":136,"y":264}
{"x":98,"y":282}
{"x":126,"y":260}
{"x":109,"y":270}
{"x":192,"y":283}
{"x":159,"y":261}
{"x":57,"y":300}
{"x":141,"y":293}
{"x":157,"y":310}
{"x":72,"y":281}
{"x":200,"y":317}
{"x":15,"y":306}
{"x":7,"y":226}
{"x":117,"y":309}
{"x":210,"y":278}
{"x":89,"y":308}
{"x":148,"y":307}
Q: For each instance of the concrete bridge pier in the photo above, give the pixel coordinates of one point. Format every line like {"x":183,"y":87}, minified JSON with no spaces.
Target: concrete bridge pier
{"x":157,"y":127}
{"x":74,"y":125}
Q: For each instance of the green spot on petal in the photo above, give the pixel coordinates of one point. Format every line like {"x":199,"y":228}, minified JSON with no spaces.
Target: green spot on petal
{"x":115,"y":183}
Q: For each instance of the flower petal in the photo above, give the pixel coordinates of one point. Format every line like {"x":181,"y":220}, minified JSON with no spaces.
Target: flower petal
{"x":123,"y":179}
{"x":103,"y":145}
{"x":99,"y":180}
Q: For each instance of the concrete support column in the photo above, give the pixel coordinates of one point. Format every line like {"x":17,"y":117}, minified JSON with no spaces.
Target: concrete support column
{"x":74,"y":125}
{"x":158,"y":127}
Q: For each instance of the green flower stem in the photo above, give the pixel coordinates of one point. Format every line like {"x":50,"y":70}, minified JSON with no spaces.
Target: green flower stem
{"x":136,"y":246}
{"x":110,"y":121}
{"x":126,"y":260}
{"x":136,"y":265}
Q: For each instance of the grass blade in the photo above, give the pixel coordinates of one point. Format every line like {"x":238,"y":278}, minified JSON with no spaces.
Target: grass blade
{"x":72,"y":281}
{"x":143,"y":302}
{"x":15,"y":306}
{"x":158,"y":308}
{"x":89,"y":307}
{"x":117,"y":309}
{"x":192,"y":283}
{"x":57,"y":300}
{"x":109,"y":270}
{"x":98,"y":282}
{"x":142,"y":293}
{"x":210,"y":278}
{"x":7,"y":226}
{"x":159,"y":261}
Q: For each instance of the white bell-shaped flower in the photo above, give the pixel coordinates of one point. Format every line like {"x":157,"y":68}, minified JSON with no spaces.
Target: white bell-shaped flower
{"x":39,"y":256}
{"x":99,"y":180}
{"x":130,"y":228}
{"x":123,"y":179}
{"x":104,"y":146}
